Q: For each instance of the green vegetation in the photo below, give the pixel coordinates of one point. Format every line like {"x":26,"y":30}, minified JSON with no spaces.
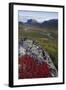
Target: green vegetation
{"x":48,"y":39}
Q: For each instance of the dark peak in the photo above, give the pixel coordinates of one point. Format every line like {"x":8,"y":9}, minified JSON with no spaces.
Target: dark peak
{"x":31,"y":21}
{"x":51,"y":21}
{"x":20,"y":22}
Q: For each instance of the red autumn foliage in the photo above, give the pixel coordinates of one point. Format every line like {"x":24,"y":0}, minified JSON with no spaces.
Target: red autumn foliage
{"x":30,"y":68}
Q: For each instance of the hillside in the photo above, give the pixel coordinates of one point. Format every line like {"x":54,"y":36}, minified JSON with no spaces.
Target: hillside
{"x":45,"y":33}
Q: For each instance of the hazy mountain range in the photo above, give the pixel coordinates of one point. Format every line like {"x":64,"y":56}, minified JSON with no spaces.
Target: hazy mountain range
{"x":53,"y":23}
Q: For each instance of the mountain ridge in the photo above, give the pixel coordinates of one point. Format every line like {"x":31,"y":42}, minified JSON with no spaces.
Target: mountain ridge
{"x":52,"y":23}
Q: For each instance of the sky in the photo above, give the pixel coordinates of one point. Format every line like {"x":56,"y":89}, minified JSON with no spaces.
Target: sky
{"x":39,"y":16}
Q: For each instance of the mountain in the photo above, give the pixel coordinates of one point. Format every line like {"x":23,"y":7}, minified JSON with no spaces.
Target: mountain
{"x":32,"y":22}
{"x":51,"y":24}
{"x":20,"y":23}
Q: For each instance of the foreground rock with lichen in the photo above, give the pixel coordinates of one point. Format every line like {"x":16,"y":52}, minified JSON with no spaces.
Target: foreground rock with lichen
{"x":34,"y":62}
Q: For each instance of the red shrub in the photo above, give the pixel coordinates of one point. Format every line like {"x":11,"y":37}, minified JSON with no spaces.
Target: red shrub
{"x":30,"y":68}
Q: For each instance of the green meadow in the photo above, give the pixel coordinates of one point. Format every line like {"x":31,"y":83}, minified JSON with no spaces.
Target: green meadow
{"x":47,"y":39}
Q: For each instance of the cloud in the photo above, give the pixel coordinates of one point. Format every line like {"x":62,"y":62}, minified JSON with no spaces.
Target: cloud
{"x":40,"y":16}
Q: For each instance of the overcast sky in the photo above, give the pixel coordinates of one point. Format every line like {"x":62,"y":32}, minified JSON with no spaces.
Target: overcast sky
{"x":40,"y":16}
